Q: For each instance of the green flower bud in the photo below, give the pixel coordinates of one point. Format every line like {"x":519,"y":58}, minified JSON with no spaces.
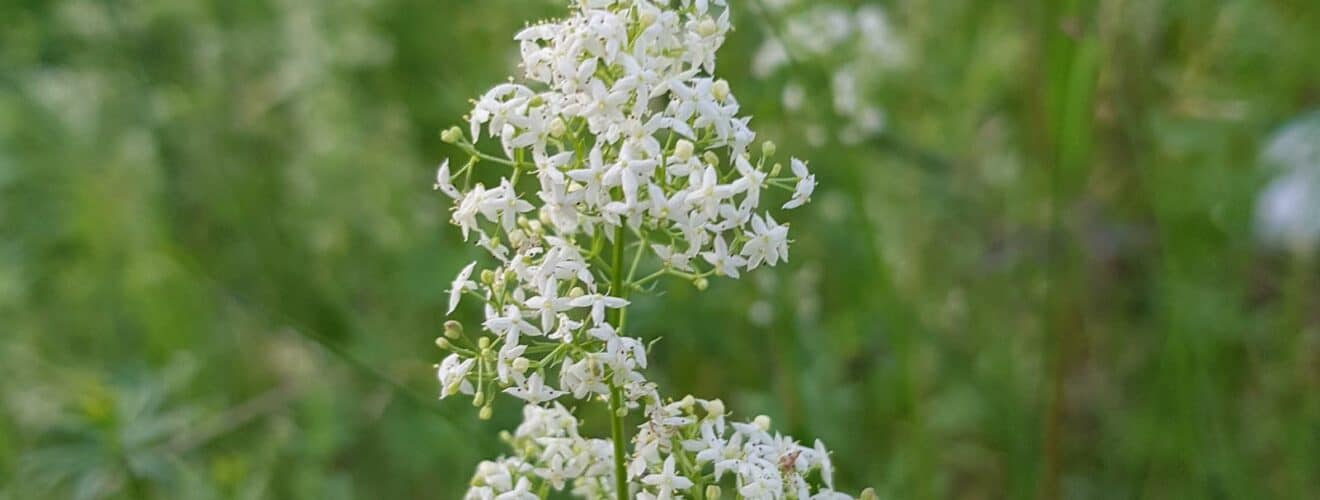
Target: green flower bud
{"x":720,"y":90}
{"x":683,"y":150}
{"x":451,"y":135}
{"x":707,"y":27}
{"x":557,"y":127}
{"x":768,"y":148}
{"x":713,"y":492}
{"x":711,"y":158}
{"x":453,"y":329}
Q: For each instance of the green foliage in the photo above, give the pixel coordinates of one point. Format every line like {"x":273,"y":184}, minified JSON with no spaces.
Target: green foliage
{"x":222,"y":266}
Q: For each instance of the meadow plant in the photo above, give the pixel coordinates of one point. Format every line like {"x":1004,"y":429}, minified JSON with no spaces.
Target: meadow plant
{"x":622,"y":161}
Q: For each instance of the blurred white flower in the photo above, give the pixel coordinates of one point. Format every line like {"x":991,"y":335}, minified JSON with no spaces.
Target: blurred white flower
{"x":1288,"y":209}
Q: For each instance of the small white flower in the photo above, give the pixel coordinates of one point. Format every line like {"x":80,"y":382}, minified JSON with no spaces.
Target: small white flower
{"x":460,"y":284}
{"x":534,"y":390}
{"x":667,"y":482}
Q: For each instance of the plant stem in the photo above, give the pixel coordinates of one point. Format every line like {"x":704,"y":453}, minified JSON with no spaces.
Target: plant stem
{"x":616,"y":394}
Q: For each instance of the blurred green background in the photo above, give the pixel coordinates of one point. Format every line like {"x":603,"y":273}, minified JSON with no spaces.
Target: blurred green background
{"x":222,"y":266}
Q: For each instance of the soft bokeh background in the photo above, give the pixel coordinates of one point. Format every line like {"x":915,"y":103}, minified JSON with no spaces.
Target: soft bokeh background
{"x":222,"y":265}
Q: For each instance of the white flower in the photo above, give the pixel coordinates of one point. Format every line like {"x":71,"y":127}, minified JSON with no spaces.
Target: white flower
{"x":509,"y":325}
{"x":443,"y":183}
{"x":534,"y":390}
{"x":769,"y":242}
{"x":805,"y":186}
{"x":725,"y":263}
{"x":523,"y":491}
{"x":667,"y":481}
{"x":452,"y":374}
{"x":461,"y":283}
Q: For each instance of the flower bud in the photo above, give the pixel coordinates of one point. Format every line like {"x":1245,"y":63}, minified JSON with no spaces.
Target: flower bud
{"x":621,"y":412}
{"x":707,"y":27}
{"x":543,"y":215}
{"x":720,"y":90}
{"x":713,"y":492}
{"x":868,"y":494}
{"x":453,"y":329}
{"x":762,"y":422}
{"x":516,"y":238}
{"x":451,"y":135}
{"x":701,"y":284}
{"x":442,"y":343}
{"x":768,"y":148}
{"x":521,"y":364}
{"x":646,"y":18}
{"x":485,"y":413}
{"x":479,"y":399}
{"x":483,"y":343}
{"x":558,"y":128}
{"x":715,"y":407}
{"x":774,"y":171}
{"x":487,"y":276}
{"x":576,"y":292}
{"x":683,"y":150}
{"x":711,"y":159}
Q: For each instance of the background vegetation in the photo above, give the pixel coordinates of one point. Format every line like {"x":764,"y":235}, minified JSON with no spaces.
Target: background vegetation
{"x":222,"y":267}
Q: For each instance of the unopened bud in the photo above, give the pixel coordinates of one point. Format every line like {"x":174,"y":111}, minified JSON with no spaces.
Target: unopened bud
{"x":453,"y":329}
{"x":621,"y":412}
{"x":868,"y":494}
{"x":451,"y":135}
{"x":485,"y":413}
{"x":711,"y":158}
{"x":516,"y":238}
{"x":762,"y":422}
{"x":713,"y":492}
{"x":442,"y":343}
{"x":479,"y":399}
{"x":487,"y":276}
{"x":646,"y":17}
{"x":521,"y":364}
{"x":683,"y":150}
{"x":576,"y":292}
{"x":768,"y":148}
{"x":701,"y":284}
{"x":774,"y":171}
{"x":720,"y":90}
{"x":715,"y":407}
{"x":707,"y":27}
{"x":483,"y":343}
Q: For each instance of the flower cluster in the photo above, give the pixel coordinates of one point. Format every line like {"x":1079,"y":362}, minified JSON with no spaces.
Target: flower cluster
{"x":857,"y":42}
{"x":622,"y":160}
{"x":1288,"y":211}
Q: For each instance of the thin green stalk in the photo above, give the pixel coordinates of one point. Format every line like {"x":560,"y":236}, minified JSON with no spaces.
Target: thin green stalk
{"x":616,"y":394}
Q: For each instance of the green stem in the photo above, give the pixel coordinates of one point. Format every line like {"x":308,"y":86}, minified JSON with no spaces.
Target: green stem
{"x":616,"y":394}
